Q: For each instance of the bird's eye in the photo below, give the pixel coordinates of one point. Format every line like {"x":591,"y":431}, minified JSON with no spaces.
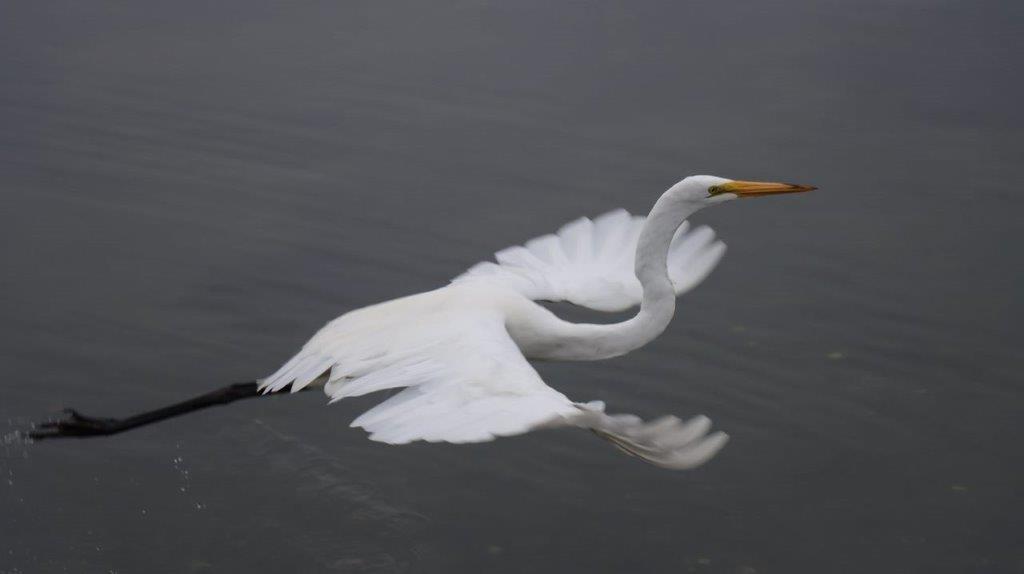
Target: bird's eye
{"x":713,"y":190}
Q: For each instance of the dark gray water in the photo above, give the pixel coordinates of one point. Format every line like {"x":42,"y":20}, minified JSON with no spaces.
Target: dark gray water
{"x":190,"y":189}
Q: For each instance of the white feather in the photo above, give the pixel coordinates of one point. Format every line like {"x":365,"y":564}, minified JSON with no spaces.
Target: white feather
{"x":466,"y":378}
{"x":590,"y":262}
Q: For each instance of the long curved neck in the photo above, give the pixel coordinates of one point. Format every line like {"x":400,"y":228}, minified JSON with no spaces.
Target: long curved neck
{"x":659,"y":299}
{"x":584,"y":341}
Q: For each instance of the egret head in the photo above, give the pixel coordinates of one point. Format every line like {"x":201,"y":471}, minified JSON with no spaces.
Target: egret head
{"x":709,"y":189}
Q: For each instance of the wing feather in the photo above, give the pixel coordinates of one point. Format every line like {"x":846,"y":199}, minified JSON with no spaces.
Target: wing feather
{"x":591,"y":262}
{"x":464,"y":378}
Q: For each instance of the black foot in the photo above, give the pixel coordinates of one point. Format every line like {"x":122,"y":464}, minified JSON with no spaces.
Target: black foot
{"x":76,"y":425}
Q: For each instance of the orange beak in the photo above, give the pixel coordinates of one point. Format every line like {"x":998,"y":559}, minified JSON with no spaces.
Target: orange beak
{"x":759,"y":188}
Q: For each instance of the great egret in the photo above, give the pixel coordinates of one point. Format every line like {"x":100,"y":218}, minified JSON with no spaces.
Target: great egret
{"x":460,"y":352}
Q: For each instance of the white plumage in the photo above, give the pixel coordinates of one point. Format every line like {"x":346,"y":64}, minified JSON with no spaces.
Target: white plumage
{"x":458,"y":351}
{"x":590,"y":262}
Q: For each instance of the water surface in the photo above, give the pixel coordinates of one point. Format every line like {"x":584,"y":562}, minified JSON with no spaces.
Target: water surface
{"x":190,"y":190}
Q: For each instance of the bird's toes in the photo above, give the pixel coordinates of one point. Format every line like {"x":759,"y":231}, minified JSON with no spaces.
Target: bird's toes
{"x":73,"y":423}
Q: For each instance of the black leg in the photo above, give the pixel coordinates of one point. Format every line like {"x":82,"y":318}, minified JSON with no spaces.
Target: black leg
{"x":79,"y":426}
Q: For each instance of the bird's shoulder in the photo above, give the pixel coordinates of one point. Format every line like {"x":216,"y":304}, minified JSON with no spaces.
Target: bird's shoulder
{"x":464,"y":302}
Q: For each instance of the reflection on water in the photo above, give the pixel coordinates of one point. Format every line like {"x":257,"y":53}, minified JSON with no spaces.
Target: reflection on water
{"x":191,"y":190}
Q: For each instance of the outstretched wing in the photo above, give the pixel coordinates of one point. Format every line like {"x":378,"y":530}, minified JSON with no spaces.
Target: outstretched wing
{"x":591,"y":262}
{"x":465,"y":380}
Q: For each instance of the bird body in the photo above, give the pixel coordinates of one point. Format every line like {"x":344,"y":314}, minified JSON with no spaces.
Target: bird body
{"x":460,"y":352}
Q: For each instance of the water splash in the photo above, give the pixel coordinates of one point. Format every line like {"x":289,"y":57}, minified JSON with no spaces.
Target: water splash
{"x":185,"y":477}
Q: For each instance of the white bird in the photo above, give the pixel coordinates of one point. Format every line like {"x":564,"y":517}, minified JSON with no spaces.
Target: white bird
{"x":460,"y":352}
